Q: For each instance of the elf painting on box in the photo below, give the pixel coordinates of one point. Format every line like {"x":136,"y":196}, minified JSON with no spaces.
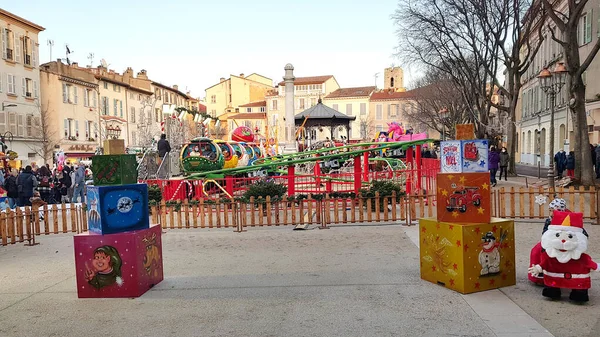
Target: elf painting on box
{"x":564,"y":263}
{"x":106,"y":269}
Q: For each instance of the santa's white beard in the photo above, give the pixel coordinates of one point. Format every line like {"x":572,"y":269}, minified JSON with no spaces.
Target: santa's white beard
{"x":571,"y":249}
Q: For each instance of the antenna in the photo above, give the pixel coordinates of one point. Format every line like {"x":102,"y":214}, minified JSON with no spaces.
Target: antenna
{"x":104,"y":64}
{"x":376,"y":76}
{"x":91,"y":58}
{"x":68,"y":52}
{"x":50,"y":44}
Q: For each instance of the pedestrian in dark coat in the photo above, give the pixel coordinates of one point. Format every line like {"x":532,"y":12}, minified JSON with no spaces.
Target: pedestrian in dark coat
{"x":560,"y":161}
{"x":493,"y":163}
{"x":504,"y":160}
{"x":571,"y":164}
{"x":26,"y":182}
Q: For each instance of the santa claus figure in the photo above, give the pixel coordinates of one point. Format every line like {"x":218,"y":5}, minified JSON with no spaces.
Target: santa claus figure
{"x":564,"y":263}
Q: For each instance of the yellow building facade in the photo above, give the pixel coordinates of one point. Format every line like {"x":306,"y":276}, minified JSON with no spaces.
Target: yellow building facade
{"x":352,"y":102}
{"x":229,"y":94}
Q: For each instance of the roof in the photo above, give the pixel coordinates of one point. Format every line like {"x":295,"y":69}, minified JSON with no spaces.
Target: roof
{"x":390,"y":94}
{"x":158,"y":84}
{"x":244,"y":78}
{"x":352,"y":92}
{"x":20,"y":19}
{"x":254,"y":104}
{"x":321,"y":111}
{"x":310,"y":80}
{"x":249,"y":115}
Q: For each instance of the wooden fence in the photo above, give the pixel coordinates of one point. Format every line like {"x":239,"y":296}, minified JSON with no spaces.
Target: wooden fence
{"x":519,"y":203}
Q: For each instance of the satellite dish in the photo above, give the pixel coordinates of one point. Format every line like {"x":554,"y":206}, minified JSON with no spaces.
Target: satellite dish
{"x":103,"y":63}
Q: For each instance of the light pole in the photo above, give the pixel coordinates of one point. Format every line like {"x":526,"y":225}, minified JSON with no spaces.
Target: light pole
{"x":444,"y":115}
{"x":552,"y":83}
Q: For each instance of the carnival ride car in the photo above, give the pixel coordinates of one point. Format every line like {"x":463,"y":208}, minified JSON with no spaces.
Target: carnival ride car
{"x":229,"y":154}
{"x":200,"y":155}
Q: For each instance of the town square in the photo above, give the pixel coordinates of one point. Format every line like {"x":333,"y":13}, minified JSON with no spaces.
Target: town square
{"x":429,"y":169}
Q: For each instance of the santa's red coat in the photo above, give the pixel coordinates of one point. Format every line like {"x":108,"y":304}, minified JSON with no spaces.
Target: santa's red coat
{"x":571,"y":275}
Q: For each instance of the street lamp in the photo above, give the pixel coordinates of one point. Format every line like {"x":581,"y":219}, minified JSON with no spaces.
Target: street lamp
{"x":113,"y":132}
{"x":8,"y":106}
{"x":552,"y":83}
{"x":444,"y":115}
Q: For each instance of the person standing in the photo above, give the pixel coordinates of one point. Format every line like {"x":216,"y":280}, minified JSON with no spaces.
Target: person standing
{"x":493,"y":161}
{"x":560,"y":159}
{"x":163,"y":148}
{"x":571,"y":164}
{"x":12,"y":190}
{"x":504,"y":160}
{"x":26,"y":182}
{"x":79,"y":183}
{"x":44,"y":177}
{"x":598,"y":162}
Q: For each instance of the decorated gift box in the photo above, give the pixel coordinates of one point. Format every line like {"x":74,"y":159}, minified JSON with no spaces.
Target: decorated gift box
{"x":114,"y":169}
{"x":451,"y":156}
{"x":463,"y":197}
{"x":468,"y":257}
{"x":116,"y":209}
{"x":474,"y":155}
{"x":118,"y":265}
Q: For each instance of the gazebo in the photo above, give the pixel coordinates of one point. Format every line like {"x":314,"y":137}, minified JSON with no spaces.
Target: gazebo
{"x":321,"y":116}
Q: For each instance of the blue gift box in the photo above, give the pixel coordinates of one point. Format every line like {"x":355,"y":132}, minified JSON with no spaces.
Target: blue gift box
{"x":117,"y":209}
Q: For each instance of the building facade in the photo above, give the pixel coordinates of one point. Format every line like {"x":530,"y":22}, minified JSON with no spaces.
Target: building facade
{"x":226,"y":96}
{"x":533,"y":107}
{"x":307,"y":91}
{"x":352,"y":102}
{"x":387,"y":106}
{"x":20,"y":113}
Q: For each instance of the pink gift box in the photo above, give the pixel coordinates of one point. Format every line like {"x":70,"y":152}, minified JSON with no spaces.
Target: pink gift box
{"x":118,"y":265}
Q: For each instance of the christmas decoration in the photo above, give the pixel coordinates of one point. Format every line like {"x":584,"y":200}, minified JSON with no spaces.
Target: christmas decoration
{"x":564,"y":263}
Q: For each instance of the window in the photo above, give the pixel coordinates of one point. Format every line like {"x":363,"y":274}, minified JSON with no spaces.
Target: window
{"x":133,"y":138}
{"x":87,"y":94}
{"x":248,"y":124}
{"x":105,"y":85}
{"x":76,"y":129}
{"x":29,"y":125}
{"x":132,"y":115}
{"x":248,"y":109}
{"x":131,"y":95}
{"x":105,"y":105}
{"x":157,"y":115}
{"x":27,"y":84}
{"x":27,"y":51}
{"x":12,"y":84}
{"x":363,"y":109}
{"x":335,"y":107}
{"x":69,"y":94}
{"x":262,"y":109}
{"x":274,"y":104}
{"x":379,"y":128}
{"x":88,"y":128}
{"x":348,"y":109}
{"x":142,"y":117}
{"x":301,"y":103}
{"x":313,"y":101}
{"x":8,"y":44}
{"x":213,"y":99}
{"x":584,"y":29}
{"x":114,"y":87}
{"x":379,"y":112}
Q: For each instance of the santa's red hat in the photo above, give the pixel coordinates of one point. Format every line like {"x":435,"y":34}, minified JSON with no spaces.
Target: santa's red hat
{"x":567,"y":221}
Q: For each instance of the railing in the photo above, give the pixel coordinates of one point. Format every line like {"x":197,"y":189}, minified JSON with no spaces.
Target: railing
{"x":320,"y":210}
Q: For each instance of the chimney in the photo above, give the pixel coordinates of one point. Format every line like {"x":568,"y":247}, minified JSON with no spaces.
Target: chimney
{"x":242,"y":75}
{"x":222,"y":79}
{"x":176,"y":87}
{"x":142,"y":74}
{"x":75,"y":64}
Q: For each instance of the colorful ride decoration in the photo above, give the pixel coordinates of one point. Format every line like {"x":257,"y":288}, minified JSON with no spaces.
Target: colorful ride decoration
{"x":241,"y":153}
{"x":250,"y":152}
{"x":201,"y":154}
{"x":242,"y":134}
{"x":396,"y":133}
{"x":229,"y":154}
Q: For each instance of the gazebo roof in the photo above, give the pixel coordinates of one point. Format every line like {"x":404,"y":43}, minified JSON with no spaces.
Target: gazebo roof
{"x":321,"y":111}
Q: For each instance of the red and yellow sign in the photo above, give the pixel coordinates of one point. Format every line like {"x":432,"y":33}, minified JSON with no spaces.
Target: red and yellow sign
{"x":468,"y":257}
{"x":465,"y":131}
{"x":463,"y":197}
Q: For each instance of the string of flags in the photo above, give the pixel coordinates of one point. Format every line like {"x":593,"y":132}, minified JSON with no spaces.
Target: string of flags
{"x":198,"y":117}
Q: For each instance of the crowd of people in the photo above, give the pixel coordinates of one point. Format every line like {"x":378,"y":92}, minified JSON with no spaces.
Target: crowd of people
{"x":52,"y":186}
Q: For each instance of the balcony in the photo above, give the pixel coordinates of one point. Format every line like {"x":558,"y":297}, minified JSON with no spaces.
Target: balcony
{"x":9,"y":54}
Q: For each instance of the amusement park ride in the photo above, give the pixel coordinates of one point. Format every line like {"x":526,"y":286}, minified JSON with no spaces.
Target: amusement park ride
{"x":208,"y":159}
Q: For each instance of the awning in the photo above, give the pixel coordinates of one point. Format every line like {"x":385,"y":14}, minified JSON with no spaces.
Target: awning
{"x":79,"y":154}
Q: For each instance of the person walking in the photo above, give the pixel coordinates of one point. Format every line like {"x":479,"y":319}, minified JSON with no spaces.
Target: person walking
{"x":12,"y":190}
{"x":504,"y":159}
{"x":44,"y":176}
{"x":79,"y":183}
{"x":571,"y":165}
{"x":493,"y":161}
{"x":560,"y":159}
{"x":26,"y":183}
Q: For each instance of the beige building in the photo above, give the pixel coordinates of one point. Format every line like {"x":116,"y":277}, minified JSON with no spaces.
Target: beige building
{"x":20,"y":116}
{"x":352,"y":102}
{"x":69,"y":102}
{"x":533,"y":108}
{"x":387,"y":106}
{"x":307,"y":91}
{"x":227,"y":95}
{"x":252,"y":115}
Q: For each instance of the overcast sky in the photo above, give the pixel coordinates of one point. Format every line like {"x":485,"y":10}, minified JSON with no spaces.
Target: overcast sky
{"x":194,"y":43}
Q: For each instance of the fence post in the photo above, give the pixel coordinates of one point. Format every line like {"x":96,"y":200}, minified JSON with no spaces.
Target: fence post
{"x":322,"y":209}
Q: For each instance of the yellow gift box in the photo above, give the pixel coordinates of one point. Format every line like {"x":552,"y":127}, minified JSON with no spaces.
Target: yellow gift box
{"x":468,"y":257}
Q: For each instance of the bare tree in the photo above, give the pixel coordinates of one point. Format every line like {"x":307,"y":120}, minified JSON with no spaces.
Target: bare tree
{"x":367,"y":127}
{"x":43,"y":135}
{"x":568,"y":24}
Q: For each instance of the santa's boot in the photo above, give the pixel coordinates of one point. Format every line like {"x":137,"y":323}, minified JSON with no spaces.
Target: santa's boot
{"x":552,"y":293}
{"x":579,"y":295}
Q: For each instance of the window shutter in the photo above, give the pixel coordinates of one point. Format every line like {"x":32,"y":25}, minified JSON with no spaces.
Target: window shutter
{"x":85,"y":97}
{"x":77,"y":128}
{"x":2,"y":121}
{"x":24,"y":85}
{"x":17,"y":43}
{"x":74,"y":95}
{"x":35,"y":89}
{"x":115,"y":106}
{"x":93,"y":98}
{"x":4,"y":42}
{"x":588,"y":26}
{"x":65,"y":96}
{"x":66,"y":127}
{"x":20,"y":126}
{"x":34,"y":53}
{"x":121,"y":108}
{"x":1,"y":81}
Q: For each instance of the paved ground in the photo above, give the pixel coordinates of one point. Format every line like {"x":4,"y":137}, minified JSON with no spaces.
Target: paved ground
{"x":346,"y":281}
